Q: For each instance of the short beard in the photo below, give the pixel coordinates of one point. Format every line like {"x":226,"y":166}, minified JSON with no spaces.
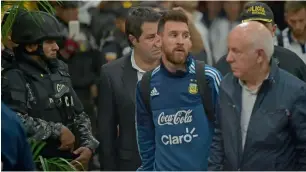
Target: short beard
{"x":170,"y":57}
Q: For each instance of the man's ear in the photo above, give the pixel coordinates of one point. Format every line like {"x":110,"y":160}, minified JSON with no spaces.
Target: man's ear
{"x":261,"y":53}
{"x":158,"y":42}
{"x":133,"y":39}
{"x":274,"y":29}
{"x":286,"y":17}
{"x":31,"y":47}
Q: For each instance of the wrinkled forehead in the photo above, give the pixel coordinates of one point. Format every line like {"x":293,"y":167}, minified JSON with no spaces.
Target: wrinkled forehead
{"x":174,"y":26}
{"x":149,"y":27}
{"x":239,"y":39}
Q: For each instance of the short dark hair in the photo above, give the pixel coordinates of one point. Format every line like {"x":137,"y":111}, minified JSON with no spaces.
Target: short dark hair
{"x":294,"y":6}
{"x":171,"y":15}
{"x":136,"y":17}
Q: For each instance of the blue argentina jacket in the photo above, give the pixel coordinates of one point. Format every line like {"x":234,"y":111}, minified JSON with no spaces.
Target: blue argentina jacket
{"x":178,"y":135}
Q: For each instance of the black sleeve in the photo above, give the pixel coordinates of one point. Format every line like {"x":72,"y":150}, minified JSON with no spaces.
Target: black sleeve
{"x":298,"y":126}
{"x":16,"y":91}
{"x":107,"y":123}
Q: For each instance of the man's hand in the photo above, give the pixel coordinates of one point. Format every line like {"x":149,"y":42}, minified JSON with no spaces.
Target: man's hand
{"x":67,"y":139}
{"x":84,"y":157}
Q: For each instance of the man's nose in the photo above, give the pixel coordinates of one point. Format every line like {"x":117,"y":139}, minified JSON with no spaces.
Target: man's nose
{"x":55,"y":46}
{"x":180,"y":40}
{"x":229,"y":57}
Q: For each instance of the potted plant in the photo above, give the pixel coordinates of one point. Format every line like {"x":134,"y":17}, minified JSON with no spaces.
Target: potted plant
{"x":49,"y":164}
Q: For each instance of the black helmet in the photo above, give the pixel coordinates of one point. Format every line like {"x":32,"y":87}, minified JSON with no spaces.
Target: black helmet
{"x":35,"y":26}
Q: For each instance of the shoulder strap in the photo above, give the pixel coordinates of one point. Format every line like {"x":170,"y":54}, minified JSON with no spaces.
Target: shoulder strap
{"x":205,"y":91}
{"x":202,"y":84}
{"x":280,"y":41}
{"x":145,"y":90}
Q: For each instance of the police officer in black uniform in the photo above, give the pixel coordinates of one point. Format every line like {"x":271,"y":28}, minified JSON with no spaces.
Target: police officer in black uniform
{"x":41,"y":91}
{"x":82,"y":57}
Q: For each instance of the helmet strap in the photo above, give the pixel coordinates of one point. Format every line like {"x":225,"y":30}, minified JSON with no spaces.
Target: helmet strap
{"x":39,"y":52}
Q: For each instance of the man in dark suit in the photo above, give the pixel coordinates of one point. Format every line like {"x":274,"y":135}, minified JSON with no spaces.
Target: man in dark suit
{"x":116,"y":106}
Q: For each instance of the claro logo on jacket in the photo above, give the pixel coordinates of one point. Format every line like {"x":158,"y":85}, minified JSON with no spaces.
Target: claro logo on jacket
{"x":181,"y":117}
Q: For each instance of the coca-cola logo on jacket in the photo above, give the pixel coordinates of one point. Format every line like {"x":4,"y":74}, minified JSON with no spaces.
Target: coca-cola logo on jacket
{"x":180,"y":117}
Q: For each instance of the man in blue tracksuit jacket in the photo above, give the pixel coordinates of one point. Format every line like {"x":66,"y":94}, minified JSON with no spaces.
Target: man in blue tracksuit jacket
{"x":177,"y":134}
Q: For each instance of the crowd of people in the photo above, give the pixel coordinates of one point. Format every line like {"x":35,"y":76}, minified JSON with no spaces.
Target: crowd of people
{"x":156,"y":86}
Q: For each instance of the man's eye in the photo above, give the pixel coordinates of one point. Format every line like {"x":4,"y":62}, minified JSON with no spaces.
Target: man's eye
{"x":186,"y":36}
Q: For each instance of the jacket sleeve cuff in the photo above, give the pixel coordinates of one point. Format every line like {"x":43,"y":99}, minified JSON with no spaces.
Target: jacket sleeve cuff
{"x":56,"y":130}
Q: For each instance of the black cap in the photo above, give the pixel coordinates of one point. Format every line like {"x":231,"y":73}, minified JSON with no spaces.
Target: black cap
{"x":257,"y":11}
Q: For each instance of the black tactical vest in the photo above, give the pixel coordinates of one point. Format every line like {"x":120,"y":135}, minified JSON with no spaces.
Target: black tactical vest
{"x":49,"y":97}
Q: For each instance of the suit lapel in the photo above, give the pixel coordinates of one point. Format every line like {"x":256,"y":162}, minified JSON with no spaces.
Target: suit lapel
{"x":129,"y":78}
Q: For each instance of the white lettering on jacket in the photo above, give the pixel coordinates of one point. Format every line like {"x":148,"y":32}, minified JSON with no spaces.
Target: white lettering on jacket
{"x":180,"y":117}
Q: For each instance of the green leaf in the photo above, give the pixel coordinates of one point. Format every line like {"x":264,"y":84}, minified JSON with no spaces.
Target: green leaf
{"x":41,"y":145}
{"x":68,"y":163}
{"x":44,"y":166}
{"x":46,"y":163}
{"x":60,"y":166}
{"x":15,"y":7}
{"x":33,"y":144}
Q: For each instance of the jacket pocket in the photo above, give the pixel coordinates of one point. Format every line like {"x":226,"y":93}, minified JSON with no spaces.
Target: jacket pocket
{"x":277,"y":119}
{"x":272,"y":126}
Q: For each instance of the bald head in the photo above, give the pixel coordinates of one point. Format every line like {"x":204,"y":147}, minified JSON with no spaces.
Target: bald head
{"x":256,"y":35}
{"x":250,"y":48}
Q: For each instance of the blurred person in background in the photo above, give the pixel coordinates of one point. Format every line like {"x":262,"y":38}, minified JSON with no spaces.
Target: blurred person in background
{"x":81,"y":55}
{"x":16,"y":153}
{"x":156,"y":5}
{"x":212,"y":11}
{"x":221,"y":26}
{"x":285,"y":58}
{"x":294,"y":36}
{"x":116,"y":103}
{"x":7,"y":54}
{"x":116,"y":44}
{"x":102,"y":23}
{"x":166,"y":4}
{"x":198,"y":31}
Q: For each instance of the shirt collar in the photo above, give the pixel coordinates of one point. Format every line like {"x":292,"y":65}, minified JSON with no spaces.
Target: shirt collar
{"x":134,"y":65}
{"x":292,"y":39}
{"x":271,"y":77}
